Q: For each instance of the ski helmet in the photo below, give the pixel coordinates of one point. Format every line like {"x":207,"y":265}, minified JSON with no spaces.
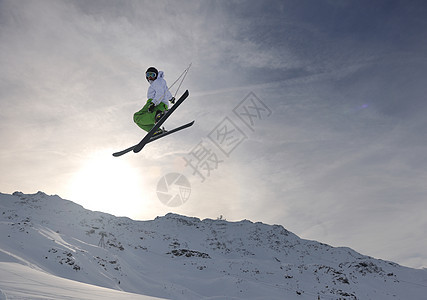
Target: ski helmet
{"x":151,"y":73}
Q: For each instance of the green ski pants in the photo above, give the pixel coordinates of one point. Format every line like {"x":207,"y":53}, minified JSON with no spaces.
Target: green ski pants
{"x":145,"y":119}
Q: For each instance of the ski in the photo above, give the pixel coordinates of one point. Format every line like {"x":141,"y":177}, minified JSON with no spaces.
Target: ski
{"x":147,"y":138}
{"x":158,"y":136}
{"x":120,"y":153}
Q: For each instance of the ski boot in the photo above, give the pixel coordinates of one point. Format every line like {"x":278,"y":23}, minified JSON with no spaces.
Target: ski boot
{"x":160,"y":131}
{"x":159,"y":115}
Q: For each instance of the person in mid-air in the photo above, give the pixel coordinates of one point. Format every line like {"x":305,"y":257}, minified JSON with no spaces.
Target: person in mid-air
{"x":158,"y":96}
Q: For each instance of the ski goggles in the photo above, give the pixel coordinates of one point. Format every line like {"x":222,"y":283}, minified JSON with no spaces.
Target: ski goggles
{"x":150,"y":74}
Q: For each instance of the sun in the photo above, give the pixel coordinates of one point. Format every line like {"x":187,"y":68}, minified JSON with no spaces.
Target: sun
{"x":107,"y":184}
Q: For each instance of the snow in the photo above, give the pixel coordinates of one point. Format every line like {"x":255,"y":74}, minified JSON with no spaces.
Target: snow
{"x":22,"y":282}
{"x":74,"y":252}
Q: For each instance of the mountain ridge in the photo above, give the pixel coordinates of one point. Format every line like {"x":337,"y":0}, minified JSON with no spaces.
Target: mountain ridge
{"x":182,"y":257}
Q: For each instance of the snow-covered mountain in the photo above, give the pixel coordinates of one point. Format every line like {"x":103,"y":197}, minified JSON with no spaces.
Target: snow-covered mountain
{"x":179,"y":257}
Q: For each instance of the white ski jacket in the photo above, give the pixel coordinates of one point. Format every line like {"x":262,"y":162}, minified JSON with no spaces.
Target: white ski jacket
{"x":158,"y":90}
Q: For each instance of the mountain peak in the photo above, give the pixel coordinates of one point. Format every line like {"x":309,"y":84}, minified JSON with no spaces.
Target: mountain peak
{"x":182,"y":257}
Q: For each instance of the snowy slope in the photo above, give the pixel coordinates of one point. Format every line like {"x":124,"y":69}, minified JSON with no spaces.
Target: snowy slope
{"x":22,"y":282}
{"x":185,"y":258}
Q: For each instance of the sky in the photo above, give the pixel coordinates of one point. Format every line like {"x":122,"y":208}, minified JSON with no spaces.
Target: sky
{"x":308,"y":114}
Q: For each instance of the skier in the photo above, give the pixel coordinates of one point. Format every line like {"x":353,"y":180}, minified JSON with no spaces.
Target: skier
{"x":155,"y":112}
{"x":158,"y":101}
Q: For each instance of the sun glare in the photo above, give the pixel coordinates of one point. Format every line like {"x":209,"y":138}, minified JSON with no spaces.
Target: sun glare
{"x":108,"y":184}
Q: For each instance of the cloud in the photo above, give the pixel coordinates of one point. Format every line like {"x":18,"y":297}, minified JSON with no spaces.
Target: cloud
{"x":342,"y":155}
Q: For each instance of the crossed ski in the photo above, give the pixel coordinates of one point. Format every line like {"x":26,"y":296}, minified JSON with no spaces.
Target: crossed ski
{"x":150,"y":137}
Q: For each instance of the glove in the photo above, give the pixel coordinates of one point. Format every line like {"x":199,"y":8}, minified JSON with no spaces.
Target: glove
{"x":151,"y":107}
{"x":172,"y":100}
